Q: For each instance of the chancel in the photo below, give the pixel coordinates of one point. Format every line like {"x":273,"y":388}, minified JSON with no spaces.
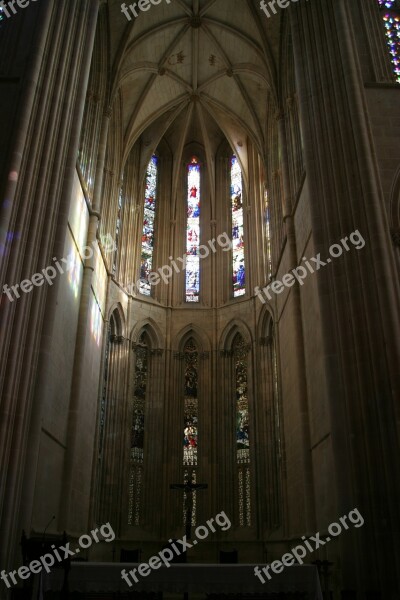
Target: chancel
{"x":200,"y":260}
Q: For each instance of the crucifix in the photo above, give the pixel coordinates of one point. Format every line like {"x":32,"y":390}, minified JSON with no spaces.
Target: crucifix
{"x":189,"y":488}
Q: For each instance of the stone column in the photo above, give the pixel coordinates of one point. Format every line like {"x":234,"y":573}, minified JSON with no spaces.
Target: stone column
{"x":41,"y":196}
{"x":77,"y":396}
{"x":298,"y":339}
{"x":358,"y":292}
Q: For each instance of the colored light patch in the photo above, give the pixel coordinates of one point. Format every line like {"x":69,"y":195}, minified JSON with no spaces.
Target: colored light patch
{"x":74,"y":271}
{"x":95,"y":322}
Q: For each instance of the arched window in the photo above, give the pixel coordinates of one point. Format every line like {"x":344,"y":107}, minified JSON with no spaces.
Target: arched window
{"x":149,"y":216}
{"x":267,"y":225}
{"x":137,"y":430}
{"x":240,"y":353}
{"x":118,"y":226}
{"x":390,"y":10}
{"x":192,"y":289}
{"x":238,"y":267}
{"x":190,"y":424}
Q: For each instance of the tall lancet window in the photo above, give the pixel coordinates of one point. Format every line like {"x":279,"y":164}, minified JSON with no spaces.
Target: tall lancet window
{"x":267,"y":223}
{"x":149,"y":216}
{"x":118,"y":226}
{"x":240,"y":352}
{"x":193,"y":232}
{"x":238,"y":267}
{"x":391,"y":18}
{"x":137,"y":431}
{"x":190,"y":419}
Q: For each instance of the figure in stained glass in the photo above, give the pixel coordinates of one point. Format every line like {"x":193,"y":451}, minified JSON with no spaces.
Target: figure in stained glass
{"x":192,"y":288}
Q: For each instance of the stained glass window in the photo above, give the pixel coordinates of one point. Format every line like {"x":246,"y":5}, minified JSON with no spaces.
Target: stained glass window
{"x":267,"y":222}
{"x":240,"y":352}
{"x":137,"y":431}
{"x":391,"y":18}
{"x":190,"y":421}
{"x":118,"y":228}
{"x":146,"y":261}
{"x":190,"y":405}
{"x":239,"y":271}
{"x":193,"y":232}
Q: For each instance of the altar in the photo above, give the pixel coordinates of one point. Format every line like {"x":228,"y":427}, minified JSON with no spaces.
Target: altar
{"x":191,"y":579}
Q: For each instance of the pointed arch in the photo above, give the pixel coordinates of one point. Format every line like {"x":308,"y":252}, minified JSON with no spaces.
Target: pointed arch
{"x":265,"y":322}
{"x":117,"y":319}
{"x":232,"y":328}
{"x":153,"y":331}
{"x":186,"y":333}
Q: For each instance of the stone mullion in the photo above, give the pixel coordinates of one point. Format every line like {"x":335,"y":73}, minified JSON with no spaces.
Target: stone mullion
{"x":224,"y":289}
{"x":343,"y":161}
{"x":131,"y":273}
{"x":176,"y":293}
{"x":136,"y":241}
{"x":207,"y":172}
{"x":254,"y":225}
{"x":163,"y":226}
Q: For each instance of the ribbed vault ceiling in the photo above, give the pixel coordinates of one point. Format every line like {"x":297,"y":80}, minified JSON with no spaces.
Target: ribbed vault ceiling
{"x":195,"y":71}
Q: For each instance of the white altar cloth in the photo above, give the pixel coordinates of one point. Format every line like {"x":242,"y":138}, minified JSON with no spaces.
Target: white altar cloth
{"x":192,"y":578}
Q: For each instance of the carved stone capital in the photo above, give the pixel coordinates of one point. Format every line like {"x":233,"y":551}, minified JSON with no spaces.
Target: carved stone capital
{"x":157,"y":352}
